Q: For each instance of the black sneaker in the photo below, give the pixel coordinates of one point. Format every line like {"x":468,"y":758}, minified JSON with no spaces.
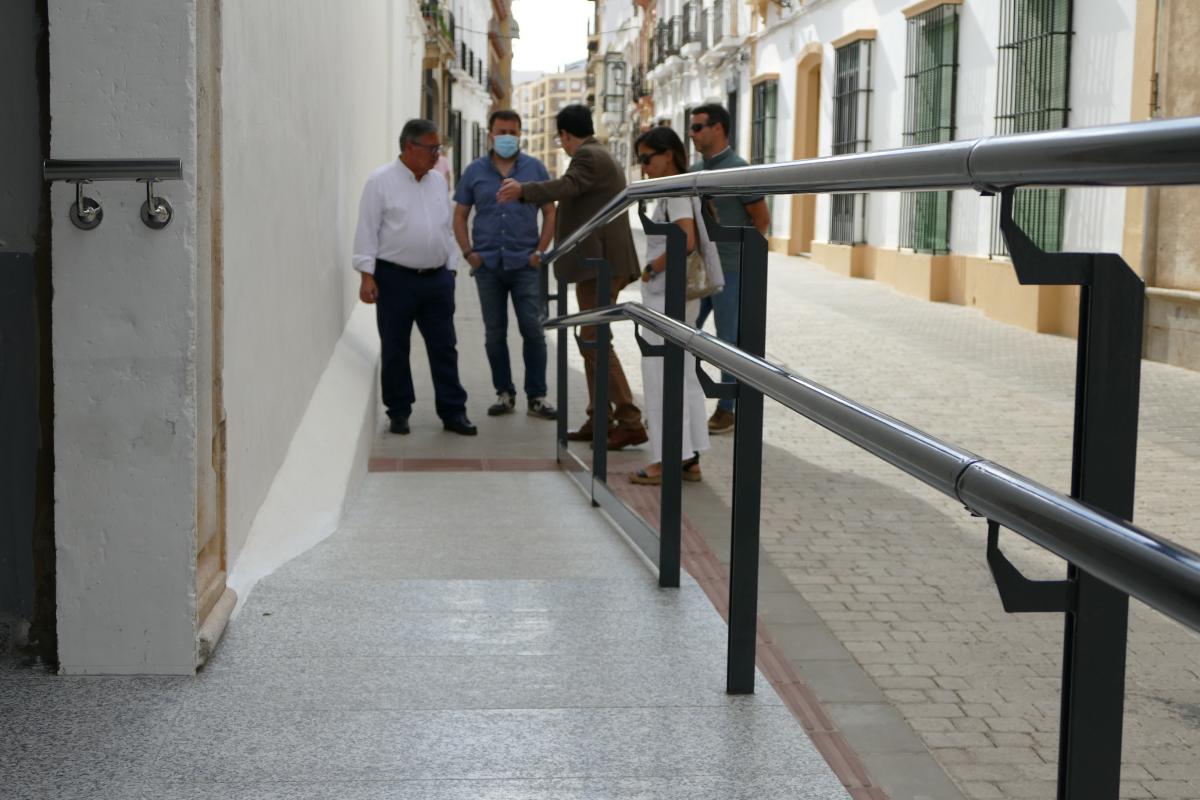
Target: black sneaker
{"x":399,"y":425}
{"x":505,"y":403}
{"x":538,"y":407}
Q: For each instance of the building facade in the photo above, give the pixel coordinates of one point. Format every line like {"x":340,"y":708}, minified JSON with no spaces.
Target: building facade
{"x":467,"y":71}
{"x":825,"y":77}
{"x":538,"y":101}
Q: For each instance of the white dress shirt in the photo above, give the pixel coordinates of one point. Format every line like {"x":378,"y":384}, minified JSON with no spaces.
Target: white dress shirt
{"x":404,"y":220}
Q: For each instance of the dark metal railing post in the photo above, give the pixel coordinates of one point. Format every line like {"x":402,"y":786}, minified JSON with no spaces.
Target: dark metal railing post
{"x":670,"y":519}
{"x":600,"y":377}
{"x":747,"y":472}
{"x":560,"y":358}
{"x":1108,"y":375}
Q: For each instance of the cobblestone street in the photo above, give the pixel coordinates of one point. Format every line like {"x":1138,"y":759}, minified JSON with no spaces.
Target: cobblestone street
{"x":898,"y":571}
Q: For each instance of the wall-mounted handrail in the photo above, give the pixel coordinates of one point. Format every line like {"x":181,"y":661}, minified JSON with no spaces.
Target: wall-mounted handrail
{"x":112,"y":169}
{"x":1153,"y":153}
{"x":1160,"y":573}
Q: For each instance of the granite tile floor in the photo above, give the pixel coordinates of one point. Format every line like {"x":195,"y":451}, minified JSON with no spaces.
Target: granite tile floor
{"x":474,"y":653}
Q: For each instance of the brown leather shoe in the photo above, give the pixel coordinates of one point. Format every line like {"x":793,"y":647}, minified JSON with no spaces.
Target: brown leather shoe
{"x":581,"y":434}
{"x":625,"y":437}
{"x":721,"y":421}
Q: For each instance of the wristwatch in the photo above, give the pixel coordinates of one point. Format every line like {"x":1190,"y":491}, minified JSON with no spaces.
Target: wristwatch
{"x":648,"y":271}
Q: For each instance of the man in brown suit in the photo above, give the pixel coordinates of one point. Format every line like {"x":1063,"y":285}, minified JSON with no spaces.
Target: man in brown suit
{"x":592,"y":179}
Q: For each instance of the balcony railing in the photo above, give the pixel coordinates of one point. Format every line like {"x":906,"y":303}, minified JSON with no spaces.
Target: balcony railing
{"x":675,"y":35}
{"x":439,"y":21}
{"x":1110,"y":560}
{"x":691,"y":23}
{"x":720,"y":21}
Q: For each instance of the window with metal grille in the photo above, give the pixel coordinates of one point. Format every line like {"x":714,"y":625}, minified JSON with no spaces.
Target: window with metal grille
{"x":762,"y":126}
{"x":929,"y":84}
{"x":765,"y":105}
{"x":614,"y":84}
{"x":1032,"y":95}
{"x":851,"y":125}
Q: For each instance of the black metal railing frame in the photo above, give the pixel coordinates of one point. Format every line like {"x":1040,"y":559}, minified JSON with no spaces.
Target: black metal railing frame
{"x":1109,"y":559}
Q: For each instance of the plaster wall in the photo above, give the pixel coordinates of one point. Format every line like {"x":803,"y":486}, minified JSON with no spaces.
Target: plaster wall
{"x":314,"y":96}
{"x":122,"y":85}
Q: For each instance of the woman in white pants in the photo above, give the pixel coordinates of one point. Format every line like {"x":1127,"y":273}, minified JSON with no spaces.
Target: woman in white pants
{"x":661,"y":153}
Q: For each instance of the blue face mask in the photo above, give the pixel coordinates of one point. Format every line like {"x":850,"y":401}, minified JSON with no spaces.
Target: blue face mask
{"x":506,"y":145}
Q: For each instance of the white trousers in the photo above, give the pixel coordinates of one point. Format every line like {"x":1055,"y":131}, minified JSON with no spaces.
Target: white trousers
{"x":695,"y":415}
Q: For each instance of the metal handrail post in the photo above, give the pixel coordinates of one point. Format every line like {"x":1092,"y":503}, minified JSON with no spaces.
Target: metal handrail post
{"x":602,"y":345}
{"x":670,"y":517}
{"x":747,"y":472}
{"x":561,"y":360}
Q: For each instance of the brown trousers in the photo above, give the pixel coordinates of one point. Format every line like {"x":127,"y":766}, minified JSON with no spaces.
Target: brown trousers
{"x":620,"y":398}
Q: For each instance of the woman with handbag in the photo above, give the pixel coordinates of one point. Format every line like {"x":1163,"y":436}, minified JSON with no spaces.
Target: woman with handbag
{"x":661,"y":153}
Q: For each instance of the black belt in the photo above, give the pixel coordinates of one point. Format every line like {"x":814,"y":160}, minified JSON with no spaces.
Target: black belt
{"x":418,"y":271}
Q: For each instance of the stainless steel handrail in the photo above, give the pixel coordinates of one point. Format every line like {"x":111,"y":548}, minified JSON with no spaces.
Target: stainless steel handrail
{"x":112,"y":169}
{"x":1154,"y":153}
{"x":1160,"y":573}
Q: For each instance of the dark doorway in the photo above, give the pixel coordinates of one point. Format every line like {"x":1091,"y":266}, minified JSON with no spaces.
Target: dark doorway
{"x":27,"y":598}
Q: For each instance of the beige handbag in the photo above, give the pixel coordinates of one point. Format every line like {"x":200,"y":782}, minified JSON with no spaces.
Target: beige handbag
{"x":701,"y":279}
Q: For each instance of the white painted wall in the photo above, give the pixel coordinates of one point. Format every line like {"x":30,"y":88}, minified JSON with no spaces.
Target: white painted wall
{"x":123,"y":86}
{"x":315,"y":93}
{"x":1100,"y":92}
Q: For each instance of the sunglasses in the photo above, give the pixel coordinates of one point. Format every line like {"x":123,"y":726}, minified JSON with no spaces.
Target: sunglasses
{"x":699,"y":126}
{"x":644,"y":158}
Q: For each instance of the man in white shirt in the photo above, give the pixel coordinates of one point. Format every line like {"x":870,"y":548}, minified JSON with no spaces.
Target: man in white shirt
{"x":405,"y":251}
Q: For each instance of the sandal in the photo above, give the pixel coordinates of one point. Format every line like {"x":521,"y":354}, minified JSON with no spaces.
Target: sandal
{"x":691,"y":473}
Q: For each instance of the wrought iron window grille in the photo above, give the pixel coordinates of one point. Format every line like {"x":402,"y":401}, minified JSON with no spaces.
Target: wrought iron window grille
{"x":851,"y":134}
{"x":1033,"y":94}
{"x":929,"y":109}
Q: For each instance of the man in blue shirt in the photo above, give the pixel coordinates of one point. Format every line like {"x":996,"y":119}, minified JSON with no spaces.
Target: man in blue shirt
{"x":710,"y":134}
{"x":504,"y":253}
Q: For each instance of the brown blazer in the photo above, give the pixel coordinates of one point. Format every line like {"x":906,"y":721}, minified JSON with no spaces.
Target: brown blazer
{"x":592,"y":179}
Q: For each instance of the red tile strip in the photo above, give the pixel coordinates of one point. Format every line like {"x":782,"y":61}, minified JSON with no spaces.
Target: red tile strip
{"x":385,"y":464}
{"x":702,"y":564}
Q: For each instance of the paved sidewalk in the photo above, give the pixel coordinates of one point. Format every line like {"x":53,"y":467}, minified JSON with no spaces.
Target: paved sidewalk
{"x":897,"y":571}
{"x":464,"y":635}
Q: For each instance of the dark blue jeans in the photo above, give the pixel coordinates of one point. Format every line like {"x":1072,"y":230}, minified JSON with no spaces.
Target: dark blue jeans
{"x":724,"y":306}
{"x":428,"y":300}
{"x":495,"y":286}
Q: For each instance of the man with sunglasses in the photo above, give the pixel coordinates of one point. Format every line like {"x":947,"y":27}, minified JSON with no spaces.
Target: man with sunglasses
{"x":710,"y":135}
{"x":405,"y":252}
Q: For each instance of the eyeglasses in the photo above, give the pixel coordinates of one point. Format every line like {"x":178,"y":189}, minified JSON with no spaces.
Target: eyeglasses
{"x":699,"y":126}
{"x":644,"y":158}
{"x":432,"y":148}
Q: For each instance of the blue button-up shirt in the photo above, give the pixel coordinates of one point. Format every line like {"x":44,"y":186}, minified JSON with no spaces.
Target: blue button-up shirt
{"x":504,"y":234}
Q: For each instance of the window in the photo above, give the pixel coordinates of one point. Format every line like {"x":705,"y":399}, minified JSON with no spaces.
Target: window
{"x":929,"y":84}
{"x":732,"y":104}
{"x":851,"y":124}
{"x":477,"y":145}
{"x":1032,"y":95}
{"x":762,"y":129}
{"x":614,"y":84}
